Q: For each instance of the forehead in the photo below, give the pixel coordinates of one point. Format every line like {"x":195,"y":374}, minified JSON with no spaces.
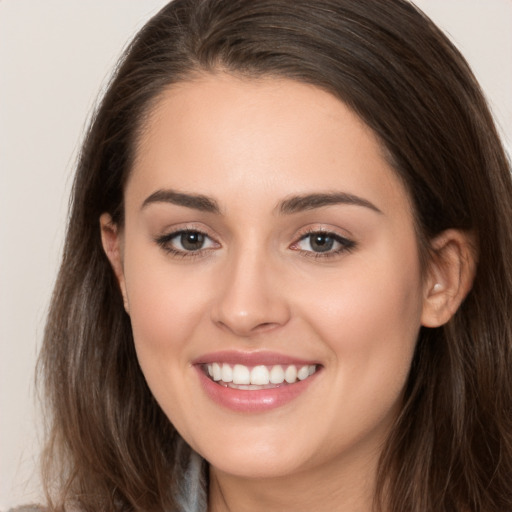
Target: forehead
{"x":219,"y":134}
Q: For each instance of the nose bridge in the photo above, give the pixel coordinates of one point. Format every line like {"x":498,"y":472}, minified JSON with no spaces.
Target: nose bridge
{"x":249,"y":300}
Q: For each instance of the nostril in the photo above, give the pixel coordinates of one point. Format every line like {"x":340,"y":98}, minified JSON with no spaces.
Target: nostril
{"x":267,"y":326}
{"x":248,"y":330}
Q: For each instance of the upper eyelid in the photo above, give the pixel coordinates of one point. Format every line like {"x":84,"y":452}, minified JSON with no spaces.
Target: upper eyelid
{"x":165,"y":243}
{"x":186,"y":226}
{"x":171,"y":231}
{"x":169,"y":235}
{"x":347,"y":241}
{"x":326,"y":230}
{"x":339,"y":238}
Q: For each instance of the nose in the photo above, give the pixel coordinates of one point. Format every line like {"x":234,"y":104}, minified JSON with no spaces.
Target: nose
{"x":251,"y":298}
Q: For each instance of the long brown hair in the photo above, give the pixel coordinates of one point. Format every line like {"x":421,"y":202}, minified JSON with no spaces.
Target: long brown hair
{"x":110,"y":445}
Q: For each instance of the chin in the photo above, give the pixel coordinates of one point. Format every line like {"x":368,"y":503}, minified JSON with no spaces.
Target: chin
{"x":256,"y":466}
{"x":263,"y":456}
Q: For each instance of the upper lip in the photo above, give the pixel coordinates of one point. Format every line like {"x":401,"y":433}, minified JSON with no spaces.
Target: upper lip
{"x":254,"y":358}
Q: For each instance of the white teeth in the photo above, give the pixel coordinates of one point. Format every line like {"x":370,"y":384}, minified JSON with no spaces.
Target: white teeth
{"x":303,"y":373}
{"x":261,"y":375}
{"x":227,"y":373}
{"x":290,"y":375}
{"x":241,"y":374}
{"x":277,"y":375}
{"x":217,"y":373}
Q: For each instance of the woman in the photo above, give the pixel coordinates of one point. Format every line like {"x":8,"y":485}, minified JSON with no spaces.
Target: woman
{"x":286,"y":282}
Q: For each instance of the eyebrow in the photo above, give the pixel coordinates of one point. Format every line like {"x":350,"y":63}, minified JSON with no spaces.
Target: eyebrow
{"x":194,"y":201}
{"x":301,"y":203}
{"x":288,"y":206}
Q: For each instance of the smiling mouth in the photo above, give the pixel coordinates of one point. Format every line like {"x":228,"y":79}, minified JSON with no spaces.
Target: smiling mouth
{"x":243,"y":377}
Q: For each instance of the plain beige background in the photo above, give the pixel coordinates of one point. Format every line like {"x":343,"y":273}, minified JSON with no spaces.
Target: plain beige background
{"x":55,"y":56}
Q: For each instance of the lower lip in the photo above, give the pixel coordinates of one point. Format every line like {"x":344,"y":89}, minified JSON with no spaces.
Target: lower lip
{"x":255,"y":400}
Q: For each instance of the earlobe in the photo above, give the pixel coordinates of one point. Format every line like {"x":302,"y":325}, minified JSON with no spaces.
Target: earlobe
{"x":450,"y":276}
{"x":111,"y":241}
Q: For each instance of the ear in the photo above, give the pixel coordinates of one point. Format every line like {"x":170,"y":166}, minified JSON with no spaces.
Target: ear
{"x":112,"y":245}
{"x":450,"y":275}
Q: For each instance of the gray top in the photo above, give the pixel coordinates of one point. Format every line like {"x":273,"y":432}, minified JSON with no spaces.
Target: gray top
{"x":192,"y":494}
{"x":27,"y":508}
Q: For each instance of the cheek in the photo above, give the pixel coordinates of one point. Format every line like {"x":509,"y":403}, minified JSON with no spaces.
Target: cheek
{"x":369,"y":317}
{"x":166,"y":305}
{"x":165,"y":311}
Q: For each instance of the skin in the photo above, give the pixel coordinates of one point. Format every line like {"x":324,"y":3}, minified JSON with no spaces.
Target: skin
{"x":257,"y":284}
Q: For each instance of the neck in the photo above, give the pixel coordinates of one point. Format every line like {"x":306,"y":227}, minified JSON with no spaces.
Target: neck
{"x":344,"y":485}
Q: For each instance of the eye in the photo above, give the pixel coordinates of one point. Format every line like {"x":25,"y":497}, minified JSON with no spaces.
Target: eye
{"x":189,"y":240}
{"x":323,"y":243}
{"x":186,"y":241}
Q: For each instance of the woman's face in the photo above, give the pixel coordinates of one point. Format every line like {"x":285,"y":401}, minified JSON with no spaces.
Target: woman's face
{"x":271,"y":274}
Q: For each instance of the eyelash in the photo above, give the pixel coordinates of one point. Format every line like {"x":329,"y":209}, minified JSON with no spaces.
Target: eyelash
{"x":165,"y":242}
{"x":345,"y":244}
